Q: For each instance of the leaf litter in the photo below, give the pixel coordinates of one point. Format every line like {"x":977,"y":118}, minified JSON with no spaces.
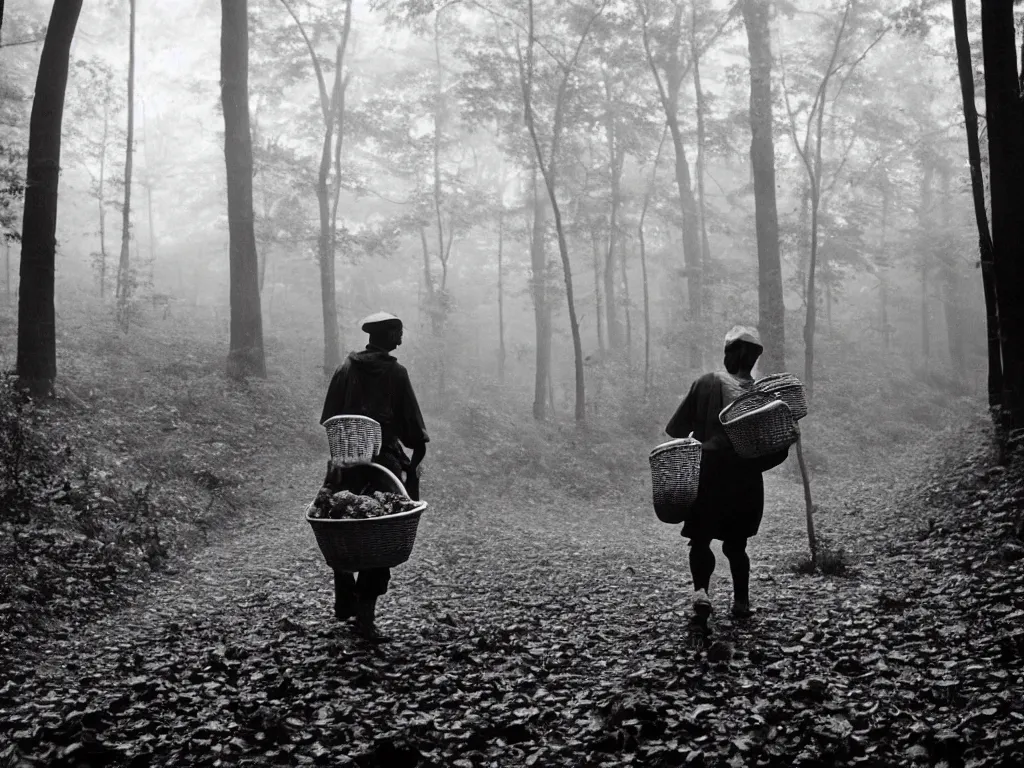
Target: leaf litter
{"x":539,"y":635}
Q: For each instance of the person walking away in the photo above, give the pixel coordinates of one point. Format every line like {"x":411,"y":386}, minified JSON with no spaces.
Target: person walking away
{"x":373,"y":383}
{"x":730,"y":496}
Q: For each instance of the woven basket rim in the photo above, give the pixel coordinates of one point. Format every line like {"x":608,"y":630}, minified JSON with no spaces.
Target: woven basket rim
{"x":349,"y":417}
{"x":674,"y":444}
{"x":756,"y":412}
{"x":777,"y":377}
{"x":417,"y":510}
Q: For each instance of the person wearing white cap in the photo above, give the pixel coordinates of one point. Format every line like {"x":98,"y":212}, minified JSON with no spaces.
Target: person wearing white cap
{"x":730,"y":498}
{"x":373,"y":383}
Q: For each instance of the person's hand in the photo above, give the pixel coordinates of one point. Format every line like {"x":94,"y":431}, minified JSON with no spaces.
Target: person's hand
{"x":412,"y":484}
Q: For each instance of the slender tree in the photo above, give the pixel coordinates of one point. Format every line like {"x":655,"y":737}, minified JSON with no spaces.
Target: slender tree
{"x":965,"y":69}
{"x":549,"y":173}
{"x":245,"y":357}
{"x":125,"y":280}
{"x":700,"y":110}
{"x":675,"y":70}
{"x":1005,"y":129}
{"x":838,"y":68}
{"x":37,"y":341}
{"x":643,"y":263}
{"x":332,"y":112}
{"x":616,"y":161}
{"x":772,"y":310}
{"x":540,"y":294}
{"x":501,"y":286}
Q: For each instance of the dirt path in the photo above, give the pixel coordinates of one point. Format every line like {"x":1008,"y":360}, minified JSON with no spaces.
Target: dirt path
{"x":523,"y":636}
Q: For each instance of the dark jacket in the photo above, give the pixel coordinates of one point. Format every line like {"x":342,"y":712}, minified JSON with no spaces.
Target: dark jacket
{"x":730,"y":499}
{"x":373,"y":383}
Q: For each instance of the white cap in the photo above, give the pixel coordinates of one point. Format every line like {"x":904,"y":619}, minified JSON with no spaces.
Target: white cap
{"x":380,"y":320}
{"x":742,"y":333}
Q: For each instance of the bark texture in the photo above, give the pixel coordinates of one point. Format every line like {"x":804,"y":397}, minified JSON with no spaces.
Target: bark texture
{"x":772,"y":311}
{"x":37,"y":341}
{"x":245,"y":357}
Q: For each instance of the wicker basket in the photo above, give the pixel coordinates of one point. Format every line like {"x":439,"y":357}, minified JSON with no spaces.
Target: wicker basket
{"x":675,"y":477}
{"x":354,"y":439}
{"x":378,"y":542}
{"x":788,"y":389}
{"x":758,"y":424}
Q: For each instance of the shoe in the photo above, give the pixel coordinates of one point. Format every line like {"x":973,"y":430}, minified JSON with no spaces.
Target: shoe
{"x":742,"y":610}
{"x":366,"y":610}
{"x":702,"y":607}
{"x":344,"y":612}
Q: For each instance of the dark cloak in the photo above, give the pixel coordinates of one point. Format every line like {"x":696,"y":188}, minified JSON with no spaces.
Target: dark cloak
{"x":730,"y":499}
{"x":373,"y":383}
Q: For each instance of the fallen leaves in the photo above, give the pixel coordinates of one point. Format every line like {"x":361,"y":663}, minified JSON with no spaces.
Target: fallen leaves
{"x":553,"y":656}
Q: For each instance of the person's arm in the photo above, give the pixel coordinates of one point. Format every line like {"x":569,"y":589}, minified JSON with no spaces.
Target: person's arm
{"x":334,"y":400}
{"x":409,"y":424}
{"x":418,"y":452}
{"x":684,"y":420}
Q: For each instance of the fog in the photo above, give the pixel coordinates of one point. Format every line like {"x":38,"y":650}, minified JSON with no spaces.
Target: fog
{"x":591,"y":219}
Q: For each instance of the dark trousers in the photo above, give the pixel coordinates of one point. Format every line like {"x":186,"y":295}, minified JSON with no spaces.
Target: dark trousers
{"x":702,"y":565}
{"x":349,"y":587}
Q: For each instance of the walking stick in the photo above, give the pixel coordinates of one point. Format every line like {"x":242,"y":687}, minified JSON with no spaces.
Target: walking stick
{"x":807,"y":500}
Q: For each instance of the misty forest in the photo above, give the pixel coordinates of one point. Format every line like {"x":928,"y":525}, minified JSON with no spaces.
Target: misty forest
{"x":570,"y":213}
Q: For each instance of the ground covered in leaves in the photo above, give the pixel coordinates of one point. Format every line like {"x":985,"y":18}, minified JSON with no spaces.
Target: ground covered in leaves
{"x":531,"y":633}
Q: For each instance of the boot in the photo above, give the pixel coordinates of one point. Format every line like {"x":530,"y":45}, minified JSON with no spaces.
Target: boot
{"x":344,"y":599}
{"x":741,"y":609}
{"x":366,"y":609}
{"x":702,"y":610}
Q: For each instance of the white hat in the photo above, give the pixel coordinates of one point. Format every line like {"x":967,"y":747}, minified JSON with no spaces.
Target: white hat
{"x":742,"y":333}
{"x":380,"y":321}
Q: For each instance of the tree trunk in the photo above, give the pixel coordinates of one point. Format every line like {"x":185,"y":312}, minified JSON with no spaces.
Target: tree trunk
{"x":643,"y":267}
{"x":103,"y":199}
{"x":541,"y":311}
{"x":598,"y":306}
{"x":647,"y":303}
{"x":804,"y":253}
{"x":668,"y":92}
{"x":965,"y":68}
{"x":812,"y":301}
{"x":883,"y":283}
{"x":245,"y":357}
{"x":549,"y":174}
{"x":812,"y":293}
{"x":125,"y":279}
{"x":501,"y":294}
{"x":625,"y":307}
{"x":329,"y":307}
{"x":615,"y":175}
{"x":705,"y":246}
{"x":7,"y":271}
{"x":150,"y":229}
{"x":926,"y":222}
{"x":1006,"y":167}
{"x":691,"y":244}
{"x":37,"y":341}
{"x":574,"y":326}
{"x":772,"y":310}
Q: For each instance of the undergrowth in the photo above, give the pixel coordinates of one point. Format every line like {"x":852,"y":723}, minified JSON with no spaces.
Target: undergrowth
{"x":830,"y":559}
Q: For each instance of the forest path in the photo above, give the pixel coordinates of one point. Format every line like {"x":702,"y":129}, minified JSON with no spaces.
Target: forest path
{"x":523,"y":636}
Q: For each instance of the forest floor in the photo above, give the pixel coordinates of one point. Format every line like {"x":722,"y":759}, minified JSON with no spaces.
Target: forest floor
{"x":539,"y":635}
{"x":163,"y":602}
